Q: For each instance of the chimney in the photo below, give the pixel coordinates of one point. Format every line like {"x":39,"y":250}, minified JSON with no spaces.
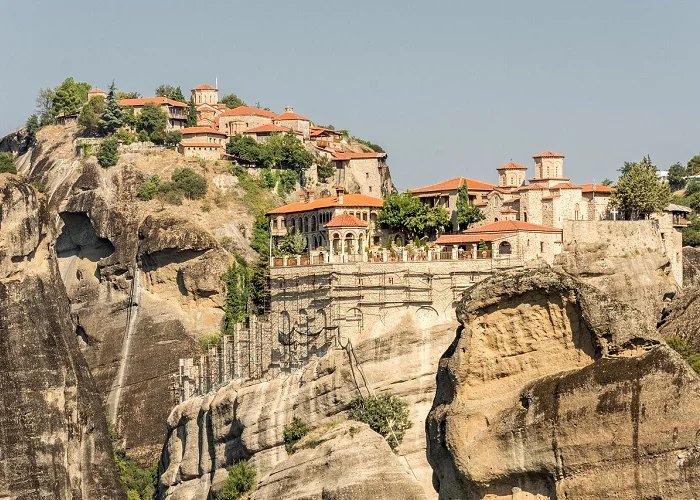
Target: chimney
{"x":289,"y":109}
{"x":339,"y":190}
{"x":310,"y":195}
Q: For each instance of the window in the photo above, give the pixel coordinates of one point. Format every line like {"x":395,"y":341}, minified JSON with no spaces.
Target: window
{"x":541,"y":246}
{"x":370,"y":189}
{"x":367,"y":175}
{"x":447,"y":202}
{"x":391,"y":281}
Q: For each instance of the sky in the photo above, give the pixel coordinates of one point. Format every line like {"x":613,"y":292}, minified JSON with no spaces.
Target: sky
{"x":447,"y":88}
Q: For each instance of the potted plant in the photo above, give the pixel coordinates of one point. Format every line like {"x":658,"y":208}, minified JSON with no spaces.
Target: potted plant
{"x":483,"y":249}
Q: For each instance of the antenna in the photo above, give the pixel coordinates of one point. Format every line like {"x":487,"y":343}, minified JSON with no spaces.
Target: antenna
{"x":216,"y":82}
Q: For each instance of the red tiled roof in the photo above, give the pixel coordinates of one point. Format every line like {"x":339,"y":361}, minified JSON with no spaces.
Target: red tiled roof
{"x":267,"y":128}
{"x":548,"y":154}
{"x":338,"y":155}
{"x":345,"y":220}
{"x":156,"y":100}
{"x":512,"y":166}
{"x":97,"y":91}
{"x":316,"y":131}
{"x":533,"y":187}
{"x":201,"y":145}
{"x":349,"y":200}
{"x":204,"y":86}
{"x":454,"y":184}
{"x":247,"y":110}
{"x":456,"y":239}
{"x":509,"y":226}
{"x":509,"y":211}
{"x":565,"y":185}
{"x":549,"y":198}
{"x":200,"y":130}
{"x":598,"y":188}
{"x":291,"y":116}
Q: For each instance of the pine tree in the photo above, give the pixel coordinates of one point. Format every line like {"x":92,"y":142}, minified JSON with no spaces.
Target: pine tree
{"x":191,"y":114}
{"x":107,"y":156}
{"x":112,"y":117}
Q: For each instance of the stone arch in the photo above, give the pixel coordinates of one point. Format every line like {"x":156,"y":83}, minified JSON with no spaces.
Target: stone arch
{"x":426,"y":314}
{"x":285,"y":322}
{"x":504,"y":248}
{"x":350,"y":242}
{"x":302,"y":322}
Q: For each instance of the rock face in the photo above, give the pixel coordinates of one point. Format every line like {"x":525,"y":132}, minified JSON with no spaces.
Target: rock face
{"x":553,"y":389}
{"x":681,"y":318}
{"x":346,"y":462}
{"x":209,"y":433}
{"x":691,"y":266}
{"x":53,"y":434}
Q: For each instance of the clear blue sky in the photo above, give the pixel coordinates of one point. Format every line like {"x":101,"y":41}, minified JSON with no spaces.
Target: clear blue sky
{"x":446,"y":87}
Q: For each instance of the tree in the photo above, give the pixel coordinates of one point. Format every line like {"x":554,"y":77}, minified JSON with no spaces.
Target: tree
{"x":153,"y":121}
{"x":467,"y":214}
{"x":694,"y":165}
{"x":291,"y":153}
{"x":90,"y":116}
{"x":245,"y":148}
{"x":112,"y":117}
{"x":127,"y":95}
{"x":324,"y":168}
{"x":172,"y":138}
{"x":411,"y":216}
{"x":108,"y":156}
{"x":232,"y":101}
{"x":191,"y":114}
{"x":240,"y":480}
{"x":293,"y":243}
{"x":606,"y":182}
{"x":70,"y":96}
{"x":7,"y":163}
{"x":639,"y":190}
{"x":32,"y":127}
{"x":386,"y":414}
{"x":44,"y":106}
{"x":174,"y":93}
{"x":193,"y":185}
{"x":676,"y":176}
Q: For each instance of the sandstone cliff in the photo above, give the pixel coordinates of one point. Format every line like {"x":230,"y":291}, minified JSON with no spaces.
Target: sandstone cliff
{"x":681,"y":318}
{"x":691,"y":266}
{"x":552,"y":389}
{"x":209,"y":433}
{"x":53,"y":434}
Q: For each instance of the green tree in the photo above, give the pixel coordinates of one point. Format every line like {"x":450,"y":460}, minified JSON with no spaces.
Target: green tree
{"x":606,"y":182}
{"x":153,"y":121}
{"x":44,"y":106}
{"x":112,"y":117}
{"x":240,"y":480}
{"x":409,"y":215}
{"x":324,"y":168}
{"x":467,"y":214}
{"x":149,"y":189}
{"x":192,"y":185}
{"x":293,"y":243}
{"x":385,"y":414}
{"x":174,"y":93}
{"x":293,"y":432}
{"x":191,"y":114}
{"x":694,"y":165}
{"x":90,"y":116}
{"x":108,"y":156}
{"x":172,"y":138}
{"x":237,"y":282}
{"x":232,"y":101}
{"x":293,"y":155}
{"x":70,"y":96}
{"x":639,"y":190}
{"x":676,"y":174}
{"x":32,"y":127}
{"x":244,"y":148}
{"x":127,"y":95}
{"x":7,"y":163}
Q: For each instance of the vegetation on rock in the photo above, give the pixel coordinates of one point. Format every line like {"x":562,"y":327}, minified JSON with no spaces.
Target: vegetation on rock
{"x":108,"y":156}
{"x":152,"y":121}
{"x":232,"y":101}
{"x":32,"y":127}
{"x":184,"y":182}
{"x":139,"y":483}
{"x":112,"y":117}
{"x":324,"y":168}
{"x":7,"y":163}
{"x":293,"y":432}
{"x":386,"y":414}
{"x":240,"y":480}
{"x":281,"y":150}
{"x":237,"y":281}
{"x":411,"y":216}
{"x":687,"y":353}
{"x":89,"y":118}
{"x":639,"y":191}
{"x":172,"y":138}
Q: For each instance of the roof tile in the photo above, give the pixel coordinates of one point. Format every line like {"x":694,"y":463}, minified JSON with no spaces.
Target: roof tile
{"x":345,"y":220}
{"x":453,"y":184}
{"x":349,"y":200}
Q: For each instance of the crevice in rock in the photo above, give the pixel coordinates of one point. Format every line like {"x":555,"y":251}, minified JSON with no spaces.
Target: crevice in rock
{"x":79,"y":239}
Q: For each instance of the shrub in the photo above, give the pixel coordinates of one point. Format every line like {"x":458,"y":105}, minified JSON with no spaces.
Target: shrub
{"x":325,"y":169}
{"x":385,"y":414}
{"x":241,"y":479}
{"x":172,"y":138}
{"x":293,"y":432}
{"x":149,"y":188}
{"x":687,"y":353}
{"x":125,"y":137}
{"x":208,"y":340}
{"x":7,"y":163}
{"x":287,"y":182}
{"x":193,"y":185}
{"x":139,"y":483}
{"x":168,"y":192}
{"x":143,"y":136}
{"x":108,"y":156}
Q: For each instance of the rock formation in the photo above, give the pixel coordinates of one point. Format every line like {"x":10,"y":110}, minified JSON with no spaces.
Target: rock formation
{"x":53,"y":434}
{"x":691,"y":266}
{"x":552,"y":389}
{"x":681,"y":318}
{"x":209,"y":433}
{"x":346,"y":462}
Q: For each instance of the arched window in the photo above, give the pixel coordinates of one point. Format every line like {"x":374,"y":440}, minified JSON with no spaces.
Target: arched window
{"x":504,"y":248}
{"x":525,"y":216}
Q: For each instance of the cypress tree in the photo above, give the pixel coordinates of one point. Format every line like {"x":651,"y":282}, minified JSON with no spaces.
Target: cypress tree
{"x":112,"y":117}
{"x":191,"y":114}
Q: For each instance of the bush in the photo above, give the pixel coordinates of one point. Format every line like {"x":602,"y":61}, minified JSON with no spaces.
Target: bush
{"x":108,"y":156}
{"x":385,"y":414}
{"x":209,"y":340}
{"x":193,"y":185}
{"x":149,"y":188}
{"x":126,"y":137}
{"x":139,"y":483}
{"x":168,"y":192}
{"x":172,"y":138}
{"x":241,"y":479}
{"x":143,"y":136}
{"x":293,"y":432}
{"x":7,"y":163}
{"x":325,"y":169}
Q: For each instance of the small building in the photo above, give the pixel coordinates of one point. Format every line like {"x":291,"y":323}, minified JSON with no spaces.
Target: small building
{"x":511,"y":175}
{"x":208,"y":114}
{"x":263,"y":132}
{"x":203,"y":134}
{"x":237,"y":120}
{"x":444,"y":194}
{"x":513,"y":240}
{"x":205,"y":150}
{"x":318,"y":221}
{"x":176,"y":111}
{"x":597,"y":197}
{"x":97,"y":92}
{"x":325,"y":137}
{"x":294,"y":121}
{"x":364,"y":173}
{"x":205,"y":94}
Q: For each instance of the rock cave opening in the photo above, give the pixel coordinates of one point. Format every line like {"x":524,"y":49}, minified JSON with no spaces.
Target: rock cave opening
{"x":79,"y":246}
